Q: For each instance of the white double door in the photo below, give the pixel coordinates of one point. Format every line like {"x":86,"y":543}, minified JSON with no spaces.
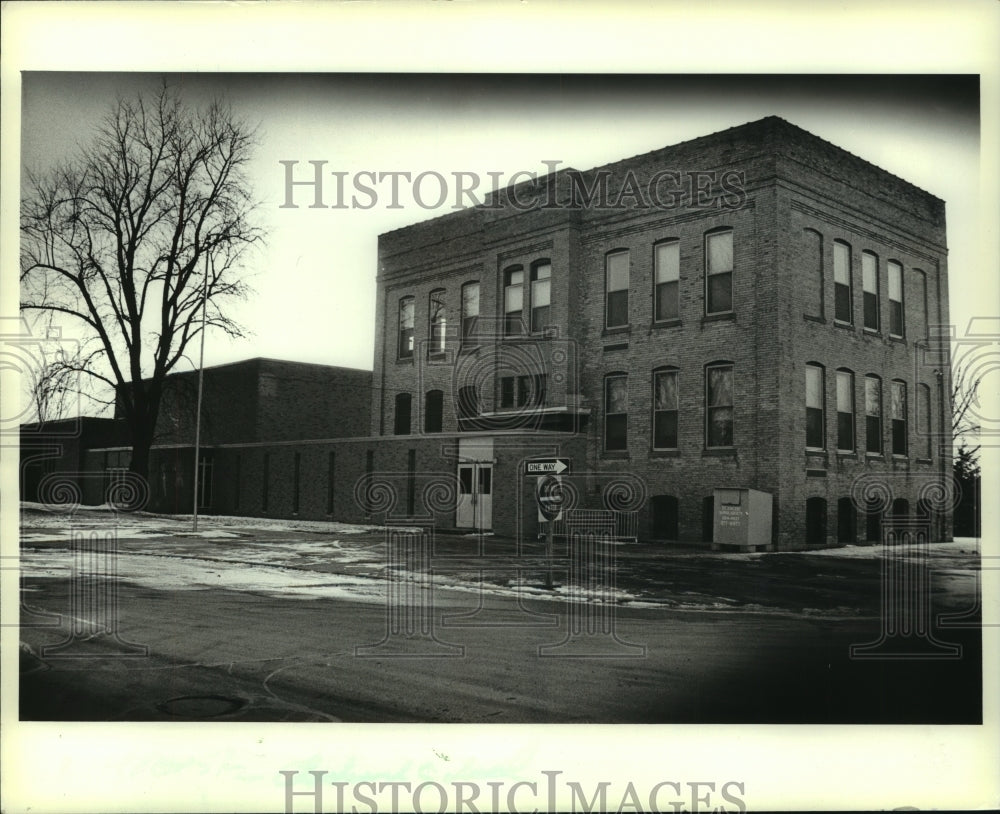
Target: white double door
{"x":475,"y":498}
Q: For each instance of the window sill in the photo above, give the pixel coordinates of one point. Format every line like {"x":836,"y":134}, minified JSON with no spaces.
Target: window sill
{"x":404,"y":360}
{"x":900,"y":340}
{"x":617,"y":329}
{"x":812,"y":318}
{"x":871,"y":332}
{"x":847,"y":453}
{"x":875,"y":456}
{"x":719,"y":452}
{"x":615,"y":346}
{"x":667,"y":323}
{"x":896,"y":456}
{"x":664,"y":453}
{"x":729,"y":316}
{"x":925,"y":460}
{"x":847,"y":326}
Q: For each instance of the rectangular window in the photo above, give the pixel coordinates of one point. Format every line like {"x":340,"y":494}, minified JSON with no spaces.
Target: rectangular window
{"x":719,"y":406}
{"x":665,"y":409}
{"x":924,"y":418}
{"x":842,"y":282}
{"x":470,"y":312}
{"x":719,"y":273}
{"x":513,"y":302}
{"x":406,"y":328}
{"x":923,"y":302}
{"x":895,"y":298}
{"x":869,"y":284}
{"x":667,"y":272}
{"x":523,"y":390}
{"x":616,"y":288}
{"x":873,"y":414}
{"x":541,"y":280}
{"x":845,"y":411}
{"x":616,"y":412}
{"x":814,"y":408}
{"x":899,"y":439}
{"x":507,"y":391}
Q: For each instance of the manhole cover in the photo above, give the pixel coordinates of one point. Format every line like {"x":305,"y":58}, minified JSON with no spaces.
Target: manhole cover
{"x":201,"y":706}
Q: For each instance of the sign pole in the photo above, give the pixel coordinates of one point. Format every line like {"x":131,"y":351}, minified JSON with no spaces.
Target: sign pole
{"x":548,"y":554}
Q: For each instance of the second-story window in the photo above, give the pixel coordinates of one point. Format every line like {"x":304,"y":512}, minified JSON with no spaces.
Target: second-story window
{"x":845,"y":411}
{"x":815,"y":422}
{"x":896,"y":321}
{"x":873,"y":414}
{"x":470,"y":312}
{"x":899,"y":434}
{"x":616,"y":412}
{"x":406,"y":328}
{"x":666,"y":280}
{"x":513,"y":301}
{"x":924,"y":418}
{"x":842,"y":283}
{"x":438,"y":318}
{"x":719,"y":405}
{"x":541,"y":281}
{"x":719,"y":272}
{"x":665,"y":409}
{"x":869,"y":283}
{"x":616,"y":273}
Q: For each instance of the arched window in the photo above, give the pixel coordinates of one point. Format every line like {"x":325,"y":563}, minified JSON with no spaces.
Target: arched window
{"x":433,"y":410}
{"x":513,"y":301}
{"x":541,"y":281}
{"x":470,"y":312}
{"x":846,"y":521}
{"x":845,"y":410}
{"x":842,"y":283}
{"x":896,"y":309}
{"x":816,"y":521}
{"x":665,"y":408}
{"x":405,"y":348}
{"x":616,"y":283}
{"x":873,"y":414}
{"x":900,"y":440}
{"x":719,"y":425}
{"x":719,"y":271}
{"x":924,"y":419}
{"x":437,"y":318}
{"x":869,"y":285}
{"x":401,"y":416}
{"x":813,"y":262}
{"x":616,"y":411}
{"x":666,"y":280}
{"x":815,"y":406}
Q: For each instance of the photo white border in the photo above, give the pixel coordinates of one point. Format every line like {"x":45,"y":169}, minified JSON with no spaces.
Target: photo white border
{"x":234,"y":767}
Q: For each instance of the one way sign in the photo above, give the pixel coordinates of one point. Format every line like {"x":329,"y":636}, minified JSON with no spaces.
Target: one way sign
{"x":547,"y":466}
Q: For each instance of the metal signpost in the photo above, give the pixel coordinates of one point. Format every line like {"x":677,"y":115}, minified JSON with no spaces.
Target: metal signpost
{"x":550,"y":498}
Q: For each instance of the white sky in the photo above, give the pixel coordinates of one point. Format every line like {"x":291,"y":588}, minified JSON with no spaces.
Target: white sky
{"x":315,"y":280}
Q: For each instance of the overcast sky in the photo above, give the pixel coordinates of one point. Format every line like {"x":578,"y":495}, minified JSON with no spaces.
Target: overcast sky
{"x":315,"y":280}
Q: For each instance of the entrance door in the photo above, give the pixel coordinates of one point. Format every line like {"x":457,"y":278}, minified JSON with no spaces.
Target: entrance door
{"x":475,"y":498}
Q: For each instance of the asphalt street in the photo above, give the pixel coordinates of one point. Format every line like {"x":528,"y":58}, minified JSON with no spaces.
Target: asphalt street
{"x":699,"y":639}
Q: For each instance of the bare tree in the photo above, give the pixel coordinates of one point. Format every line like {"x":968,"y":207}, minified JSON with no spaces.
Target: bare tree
{"x":131,"y":238}
{"x":964,"y":416}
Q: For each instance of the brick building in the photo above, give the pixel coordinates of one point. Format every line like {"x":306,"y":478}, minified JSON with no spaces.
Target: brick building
{"x":750,"y":310}
{"x":746,"y":310}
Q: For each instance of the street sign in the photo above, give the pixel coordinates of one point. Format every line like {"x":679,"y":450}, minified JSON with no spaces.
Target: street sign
{"x":547,"y":466}
{"x":550,"y":496}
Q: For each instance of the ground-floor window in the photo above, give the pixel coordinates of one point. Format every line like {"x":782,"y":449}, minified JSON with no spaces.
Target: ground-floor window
{"x":816,"y":521}
{"x":708,"y":518}
{"x":846,"y":521}
{"x":665,"y":517}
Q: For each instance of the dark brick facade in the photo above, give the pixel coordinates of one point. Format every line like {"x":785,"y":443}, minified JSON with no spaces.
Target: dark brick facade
{"x":768,"y":182}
